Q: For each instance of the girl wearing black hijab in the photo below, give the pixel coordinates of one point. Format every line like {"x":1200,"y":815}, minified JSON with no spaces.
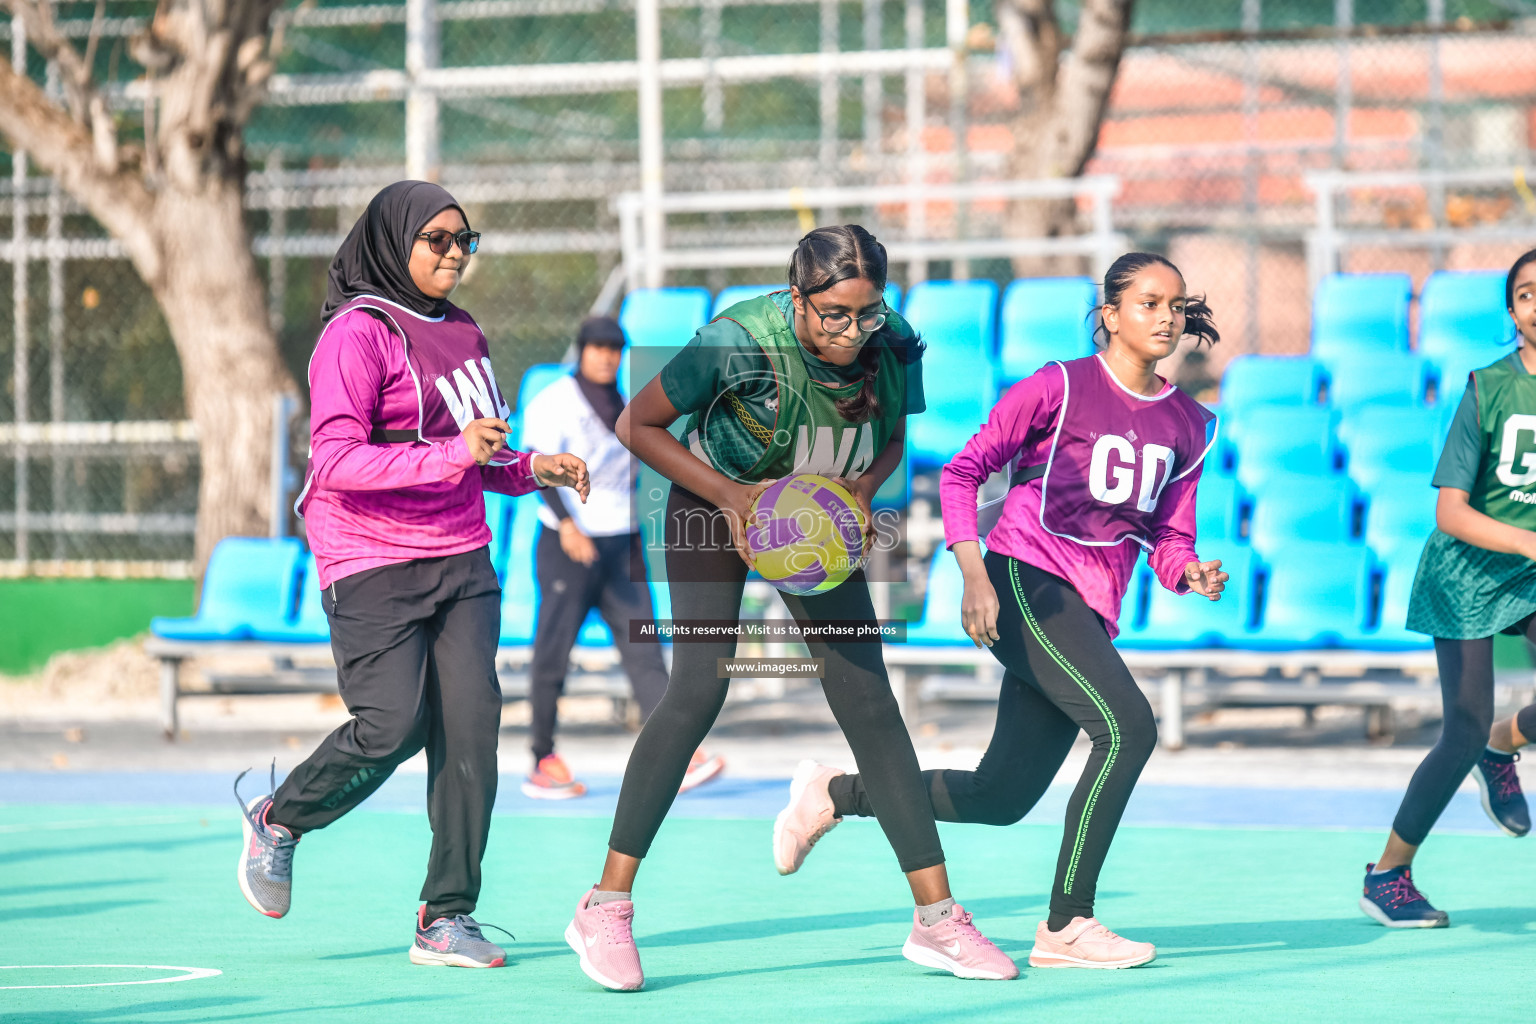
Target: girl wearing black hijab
{"x":407,"y":430}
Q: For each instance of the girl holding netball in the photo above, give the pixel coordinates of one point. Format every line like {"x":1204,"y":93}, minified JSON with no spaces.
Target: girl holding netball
{"x":1104,"y":456}
{"x":407,"y":432}
{"x":764,"y":386}
{"x":1476,"y":578}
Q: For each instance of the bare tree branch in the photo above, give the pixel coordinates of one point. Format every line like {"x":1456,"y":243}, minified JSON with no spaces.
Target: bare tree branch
{"x":66,"y":149}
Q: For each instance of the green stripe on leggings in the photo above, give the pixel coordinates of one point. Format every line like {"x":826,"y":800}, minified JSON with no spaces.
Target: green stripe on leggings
{"x":1098,"y":702}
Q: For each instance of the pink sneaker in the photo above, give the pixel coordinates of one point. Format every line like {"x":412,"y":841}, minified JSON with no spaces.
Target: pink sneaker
{"x":957,"y":946}
{"x":806,"y":818}
{"x":601,"y":936}
{"x":1086,"y":943}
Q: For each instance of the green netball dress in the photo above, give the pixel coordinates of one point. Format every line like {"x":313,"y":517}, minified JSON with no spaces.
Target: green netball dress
{"x":760,"y":406}
{"x":1463,"y":592}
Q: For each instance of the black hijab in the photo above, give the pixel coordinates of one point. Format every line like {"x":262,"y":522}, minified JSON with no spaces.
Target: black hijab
{"x":375,"y":259}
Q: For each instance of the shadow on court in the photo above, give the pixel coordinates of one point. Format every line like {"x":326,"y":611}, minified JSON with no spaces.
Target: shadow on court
{"x":207,"y":1010}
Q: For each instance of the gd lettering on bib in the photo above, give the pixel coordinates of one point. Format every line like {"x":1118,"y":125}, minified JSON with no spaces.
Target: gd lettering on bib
{"x":1114,"y":453}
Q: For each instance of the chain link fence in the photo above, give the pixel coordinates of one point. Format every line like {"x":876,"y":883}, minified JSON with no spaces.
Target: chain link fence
{"x":533,"y":113}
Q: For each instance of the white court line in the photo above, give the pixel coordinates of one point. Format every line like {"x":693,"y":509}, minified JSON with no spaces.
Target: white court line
{"x":190,"y":974}
{"x":49,"y":826}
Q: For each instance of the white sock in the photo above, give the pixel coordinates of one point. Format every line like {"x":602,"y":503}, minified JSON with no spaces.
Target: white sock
{"x":935,"y":912}
{"x":604,"y":896}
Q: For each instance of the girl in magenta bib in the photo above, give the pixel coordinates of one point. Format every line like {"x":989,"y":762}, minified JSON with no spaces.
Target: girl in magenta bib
{"x":1103,"y":456}
{"x":408,"y":430}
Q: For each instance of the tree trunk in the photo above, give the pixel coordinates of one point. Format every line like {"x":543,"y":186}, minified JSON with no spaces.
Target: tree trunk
{"x":212,"y":297}
{"x":1064,"y":98}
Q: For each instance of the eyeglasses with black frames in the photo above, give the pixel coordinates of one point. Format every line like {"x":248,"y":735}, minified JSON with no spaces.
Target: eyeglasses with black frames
{"x":441,"y":241}
{"x":837,"y":323}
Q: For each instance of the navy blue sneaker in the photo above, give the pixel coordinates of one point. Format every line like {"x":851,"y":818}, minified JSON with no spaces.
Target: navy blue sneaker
{"x":1502,"y":798}
{"x":1392,"y":899}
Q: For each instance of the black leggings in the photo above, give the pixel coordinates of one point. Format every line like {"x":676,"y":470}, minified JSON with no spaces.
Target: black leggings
{"x":706,"y":578}
{"x":1062,"y":675}
{"x":1466,"y":691}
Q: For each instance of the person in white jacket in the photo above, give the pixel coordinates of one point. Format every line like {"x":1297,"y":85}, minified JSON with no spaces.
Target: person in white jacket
{"x":589,"y":556}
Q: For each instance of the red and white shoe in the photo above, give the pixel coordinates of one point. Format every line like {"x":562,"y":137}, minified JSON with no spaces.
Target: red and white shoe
{"x":552,"y":780}
{"x":604,"y":940}
{"x":701,"y":769}
{"x":957,"y":946}
{"x":808,"y":816}
{"x":1086,"y":943}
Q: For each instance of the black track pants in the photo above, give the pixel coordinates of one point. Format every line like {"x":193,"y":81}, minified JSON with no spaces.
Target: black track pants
{"x":1466,"y":690}
{"x":615,"y":585}
{"x":706,"y":576}
{"x":1062,"y":675}
{"x":415,"y":647}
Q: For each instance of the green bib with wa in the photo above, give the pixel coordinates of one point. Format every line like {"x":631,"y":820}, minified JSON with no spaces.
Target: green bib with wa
{"x":1506,"y":415}
{"x":807,"y":433}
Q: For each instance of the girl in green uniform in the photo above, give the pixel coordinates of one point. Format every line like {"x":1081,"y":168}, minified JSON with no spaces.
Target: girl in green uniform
{"x":817,"y":378}
{"x":1476,"y":578}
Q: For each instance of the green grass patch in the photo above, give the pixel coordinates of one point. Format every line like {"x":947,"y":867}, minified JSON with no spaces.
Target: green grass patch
{"x":45,"y":616}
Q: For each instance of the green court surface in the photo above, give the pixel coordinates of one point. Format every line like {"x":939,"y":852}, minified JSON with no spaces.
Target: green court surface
{"x":1251,"y":924}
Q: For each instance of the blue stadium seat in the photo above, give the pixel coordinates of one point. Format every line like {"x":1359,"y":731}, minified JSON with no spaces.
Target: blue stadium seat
{"x":1316,"y":594}
{"x":1133,"y":606}
{"x":538,"y":377}
{"x":520,"y":593}
{"x":498,"y":516}
{"x":1461,"y":310}
{"x":1360,"y":312}
{"x":1392,"y":632}
{"x":1299,"y":507}
{"x":594,"y":632}
{"x":247,"y":578}
{"x":1271,"y":439}
{"x":1388,"y":441}
{"x":1218,"y":508}
{"x":1256,"y":380}
{"x":940,"y":624}
{"x":309,"y":626}
{"x":1453,"y":368}
{"x":958,"y":321}
{"x":1185,"y":621}
{"x":1044,"y":318}
{"x":1400,"y":516}
{"x":728,"y":297}
{"x":663,"y":316}
{"x":1374,"y":377}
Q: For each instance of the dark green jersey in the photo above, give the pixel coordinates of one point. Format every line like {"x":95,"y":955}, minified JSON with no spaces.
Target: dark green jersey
{"x":1462,"y":591}
{"x":761,"y":406}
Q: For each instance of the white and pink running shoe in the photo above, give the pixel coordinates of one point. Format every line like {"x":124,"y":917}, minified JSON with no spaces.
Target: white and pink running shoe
{"x":1086,"y":943}
{"x":808,"y":816}
{"x":604,"y":940}
{"x":957,"y":946}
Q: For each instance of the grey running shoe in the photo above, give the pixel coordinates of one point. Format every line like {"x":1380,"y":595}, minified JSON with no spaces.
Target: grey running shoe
{"x":265,"y":868}
{"x":454,"y":942}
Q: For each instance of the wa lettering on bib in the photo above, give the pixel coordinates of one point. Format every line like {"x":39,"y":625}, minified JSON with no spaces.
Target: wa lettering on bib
{"x":1113,"y":454}
{"x":450,"y":367}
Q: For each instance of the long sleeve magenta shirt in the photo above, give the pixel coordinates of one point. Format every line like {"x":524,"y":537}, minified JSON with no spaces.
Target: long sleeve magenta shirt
{"x":380,"y":504}
{"x":1018,"y":432}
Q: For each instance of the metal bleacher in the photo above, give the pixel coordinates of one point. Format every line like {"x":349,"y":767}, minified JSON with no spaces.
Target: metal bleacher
{"x":1317,"y":500}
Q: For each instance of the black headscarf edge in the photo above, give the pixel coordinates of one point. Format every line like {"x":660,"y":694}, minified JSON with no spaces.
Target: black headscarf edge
{"x":374,"y":259}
